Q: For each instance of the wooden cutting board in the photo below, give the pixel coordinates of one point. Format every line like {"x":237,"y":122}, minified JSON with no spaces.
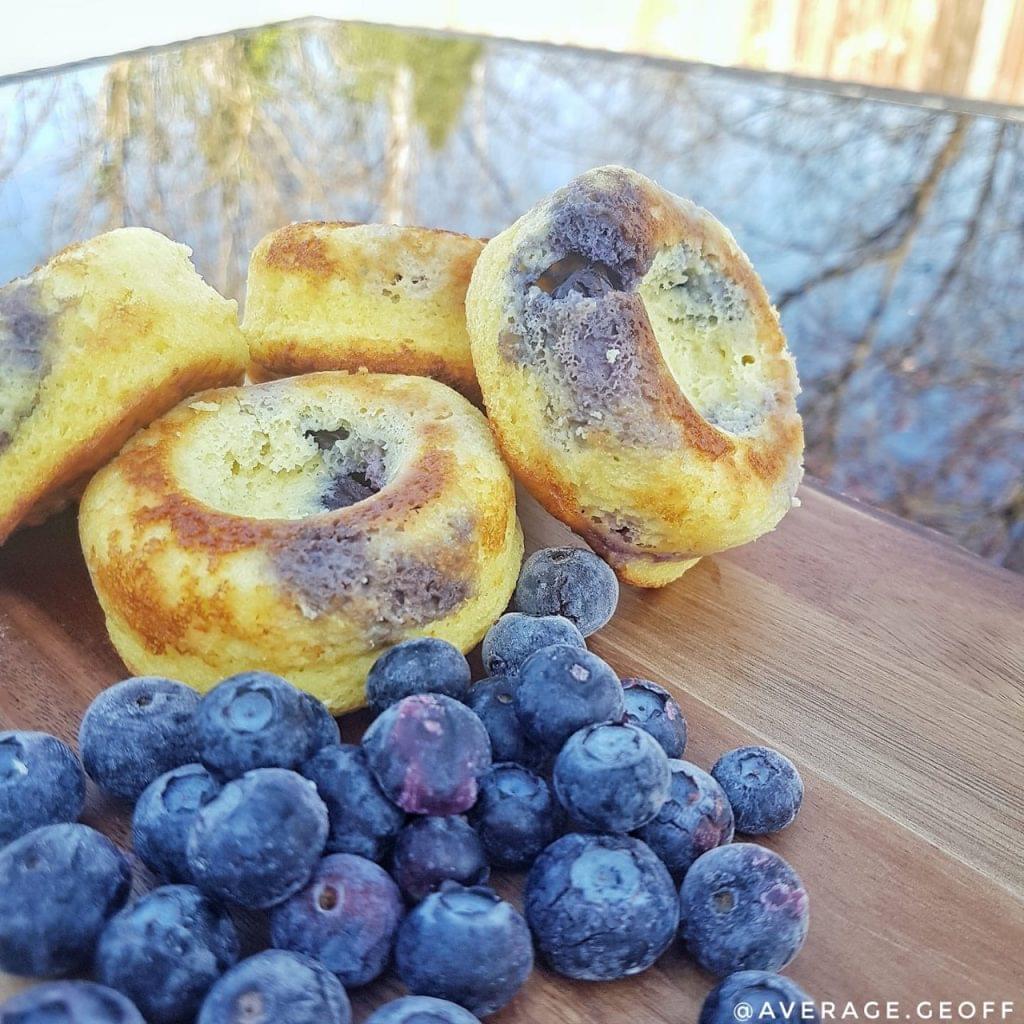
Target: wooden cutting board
{"x":888,"y":663}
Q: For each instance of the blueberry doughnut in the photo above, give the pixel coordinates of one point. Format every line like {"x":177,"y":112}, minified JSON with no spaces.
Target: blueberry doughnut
{"x":301,"y":527}
{"x":108,"y":335}
{"x":636,"y":375}
{"x":339,"y":296}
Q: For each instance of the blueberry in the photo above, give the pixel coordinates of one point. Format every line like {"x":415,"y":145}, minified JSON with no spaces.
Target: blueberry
{"x":166,"y":950}
{"x":562,"y":689}
{"x":465,"y":945}
{"x":325,"y":726}
{"x":346,"y":918}
{"x":571,"y":582}
{"x":58,"y":886}
{"x":612,"y":777}
{"x":763,"y":786}
{"x":493,"y":702}
{"x":256,"y":720}
{"x":656,"y":712}
{"x":276,"y":987}
{"x":514,"y":637}
{"x":516,"y":815}
{"x":432,"y":850}
{"x":422,"y":665}
{"x":257,"y":841}
{"x":743,"y":908}
{"x":600,"y":907}
{"x":427,"y":752}
{"x":41,"y":783}
{"x":363,"y":820}
{"x":421,"y":1010}
{"x":695,"y":818}
{"x":136,"y":730}
{"x":164,"y":815}
{"x":769,"y":997}
{"x":69,"y":1002}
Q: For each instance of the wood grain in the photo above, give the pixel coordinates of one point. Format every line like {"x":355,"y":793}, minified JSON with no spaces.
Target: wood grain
{"x":887,"y":662}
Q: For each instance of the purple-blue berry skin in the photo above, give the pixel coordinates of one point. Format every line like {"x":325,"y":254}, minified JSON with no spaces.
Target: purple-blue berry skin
{"x":743,"y":908}
{"x":326,"y":732}
{"x":493,"y":702}
{"x":163,"y":816}
{"x":58,"y":887}
{"x":571,"y":582}
{"x":466,"y":945}
{"x":277,"y":987}
{"x":136,"y":730}
{"x":655,"y":711}
{"x":515,"y":636}
{"x":363,"y":820}
{"x":695,"y":818}
{"x":600,"y":907}
{"x":420,"y":1010}
{"x":763,"y":786}
{"x":612,"y":777}
{"x":432,"y":850}
{"x":166,"y":950}
{"x":256,"y":720}
{"x":258,"y":840}
{"x":41,"y":783}
{"x":345,"y":918}
{"x":427,"y":753}
{"x":69,"y":1002}
{"x":515,"y":815}
{"x":562,"y":689}
{"x":421,"y":665}
{"x":770,"y":997}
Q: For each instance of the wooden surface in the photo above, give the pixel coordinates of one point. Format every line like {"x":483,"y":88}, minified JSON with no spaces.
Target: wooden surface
{"x":888,"y":663}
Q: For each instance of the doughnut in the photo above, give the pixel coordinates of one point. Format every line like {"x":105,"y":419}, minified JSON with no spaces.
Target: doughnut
{"x":300,"y":527}
{"x":340,"y":296}
{"x":635,"y":374}
{"x":108,"y":335}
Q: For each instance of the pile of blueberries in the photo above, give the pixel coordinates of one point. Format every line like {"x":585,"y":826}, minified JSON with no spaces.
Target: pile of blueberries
{"x":363,"y":856}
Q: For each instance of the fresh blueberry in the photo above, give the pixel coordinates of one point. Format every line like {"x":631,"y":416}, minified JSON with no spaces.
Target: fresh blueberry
{"x":69,"y":1002}
{"x":258,"y":840}
{"x":743,"y":908}
{"x":422,"y":665}
{"x":325,"y":726}
{"x":346,"y":918}
{"x":561,"y":689}
{"x":363,"y":820}
{"x":164,"y":815}
{"x":165,"y":951}
{"x":277,"y":987}
{"x":41,"y":783}
{"x":600,"y":906}
{"x":432,"y":850}
{"x":493,"y":702}
{"x":256,"y":720}
{"x":515,"y":815}
{"x":612,"y":777}
{"x":763,"y":786}
{"x":656,"y":712}
{"x":465,"y":945}
{"x":136,"y":730}
{"x":421,"y":1010}
{"x":58,"y":886}
{"x":769,"y":997}
{"x":571,"y":582}
{"x":695,"y":818}
{"x":427,"y":752}
{"x":514,"y":637}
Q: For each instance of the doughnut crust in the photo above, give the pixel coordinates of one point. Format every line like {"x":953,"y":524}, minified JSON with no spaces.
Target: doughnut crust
{"x":635,"y":374}
{"x":301,"y":526}
{"x":377,"y":297}
{"x":108,"y":335}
